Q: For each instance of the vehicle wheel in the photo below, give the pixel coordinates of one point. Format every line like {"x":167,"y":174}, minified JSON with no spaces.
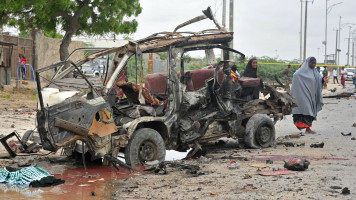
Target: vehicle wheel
{"x":260,"y":132}
{"x":145,"y":145}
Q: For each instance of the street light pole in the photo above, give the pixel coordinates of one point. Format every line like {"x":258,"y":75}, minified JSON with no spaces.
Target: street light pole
{"x":337,"y":33}
{"x":305,"y":30}
{"x":326,"y":28}
{"x":348,"y":46}
{"x":300,"y":33}
{"x":327,"y":11}
{"x":338,"y":47}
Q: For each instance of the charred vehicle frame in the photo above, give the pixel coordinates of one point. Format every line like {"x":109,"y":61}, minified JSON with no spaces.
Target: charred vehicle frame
{"x":146,"y":123}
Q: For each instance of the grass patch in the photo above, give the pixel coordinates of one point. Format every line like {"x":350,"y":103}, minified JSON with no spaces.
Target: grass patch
{"x":33,"y":98}
{"x":34,"y":93}
{"x":7,"y":96}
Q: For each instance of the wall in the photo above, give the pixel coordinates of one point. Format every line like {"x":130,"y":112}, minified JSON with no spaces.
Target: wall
{"x":40,"y":53}
{"x":47,"y":52}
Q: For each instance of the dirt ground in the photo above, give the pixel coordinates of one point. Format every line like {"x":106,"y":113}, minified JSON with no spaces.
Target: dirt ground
{"x":331,"y":169}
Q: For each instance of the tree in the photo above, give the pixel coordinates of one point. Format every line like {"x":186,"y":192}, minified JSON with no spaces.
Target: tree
{"x":73,"y":17}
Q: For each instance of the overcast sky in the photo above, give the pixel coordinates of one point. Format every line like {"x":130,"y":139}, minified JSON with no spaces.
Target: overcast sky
{"x":261,"y":27}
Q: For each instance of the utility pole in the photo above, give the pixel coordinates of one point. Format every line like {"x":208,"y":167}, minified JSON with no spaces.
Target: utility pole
{"x":223,"y":24}
{"x":231,"y":25}
{"x":305,"y":30}
{"x":337,"y":33}
{"x":338,"y":47}
{"x":326,"y":29}
{"x":348,"y":46}
{"x":301,"y":32}
{"x":353,"y":53}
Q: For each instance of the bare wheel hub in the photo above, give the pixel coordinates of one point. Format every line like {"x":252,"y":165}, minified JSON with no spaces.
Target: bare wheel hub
{"x":263,"y":135}
{"x":148,"y":151}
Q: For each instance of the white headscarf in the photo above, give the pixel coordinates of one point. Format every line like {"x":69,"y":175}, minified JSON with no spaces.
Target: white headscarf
{"x":306,"y":88}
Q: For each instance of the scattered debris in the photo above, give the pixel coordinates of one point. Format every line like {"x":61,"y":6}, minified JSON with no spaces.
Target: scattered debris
{"x":234,"y":165}
{"x":258,"y":165}
{"x":93,"y":194}
{"x":115,"y":162}
{"x":354,"y":125}
{"x":341,"y":95}
{"x":275,"y":173}
{"x":353,"y":138}
{"x":321,"y":145}
{"x":348,"y":134}
{"x":345,"y":191}
{"x":288,"y":144}
{"x":240,"y":158}
{"x":297,"y":164}
{"x":295,"y":135}
{"x":247,"y":176}
{"x":213,"y":193}
{"x":333,"y":90}
{"x":269,"y":161}
{"x":335,"y":187}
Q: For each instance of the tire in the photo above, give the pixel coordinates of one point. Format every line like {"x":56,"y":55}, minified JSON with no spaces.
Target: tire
{"x":145,"y":145}
{"x":260,"y":132}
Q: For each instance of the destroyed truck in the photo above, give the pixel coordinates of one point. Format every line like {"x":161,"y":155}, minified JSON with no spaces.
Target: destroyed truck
{"x":176,"y":110}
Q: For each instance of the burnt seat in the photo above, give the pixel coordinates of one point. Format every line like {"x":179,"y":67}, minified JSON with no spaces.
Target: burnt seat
{"x":249,"y":82}
{"x":157,"y":82}
{"x":131,"y":90}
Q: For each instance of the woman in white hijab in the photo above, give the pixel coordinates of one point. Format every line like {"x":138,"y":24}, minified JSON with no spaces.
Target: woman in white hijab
{"x":306,"y":88}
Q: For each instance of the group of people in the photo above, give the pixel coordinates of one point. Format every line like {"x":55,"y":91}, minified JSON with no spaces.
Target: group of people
{"x":307,"y":85}
{"x":343,"y":74}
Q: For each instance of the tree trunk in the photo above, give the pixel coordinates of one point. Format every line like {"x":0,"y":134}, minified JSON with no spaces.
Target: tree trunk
{"x":1,"y":54}
{"x":63,"y":49}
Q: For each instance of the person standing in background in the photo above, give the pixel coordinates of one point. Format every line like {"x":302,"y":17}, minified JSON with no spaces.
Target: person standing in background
{"x":22,"y":63}
{"x":335,"y":76}
{"x":325,"y":78}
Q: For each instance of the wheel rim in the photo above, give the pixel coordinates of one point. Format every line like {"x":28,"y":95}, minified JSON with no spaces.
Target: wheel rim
{"x":148,"y":151}
{"x":264,"y":135}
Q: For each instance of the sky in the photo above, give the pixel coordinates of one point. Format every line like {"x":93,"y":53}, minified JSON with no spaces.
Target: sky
{"x":261,"y":27}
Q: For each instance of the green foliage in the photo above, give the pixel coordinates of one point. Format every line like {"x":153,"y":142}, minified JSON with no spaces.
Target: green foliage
{"x":6,"y":96}
{"x":163,"y":55}
{"x":268,"y":71}
{"x":90,"y":17}
{"x":131,"y":69}
{"x":53,"y":34}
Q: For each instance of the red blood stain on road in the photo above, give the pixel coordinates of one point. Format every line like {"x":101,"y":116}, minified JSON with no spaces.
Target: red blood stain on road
{"x":77,"y":185}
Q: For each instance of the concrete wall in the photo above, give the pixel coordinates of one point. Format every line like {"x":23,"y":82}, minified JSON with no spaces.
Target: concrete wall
{"x":47,"y":52}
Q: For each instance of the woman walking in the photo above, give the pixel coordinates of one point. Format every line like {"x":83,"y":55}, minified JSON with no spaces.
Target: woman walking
{"x":306,"y":88}
{"x":343,"y":76}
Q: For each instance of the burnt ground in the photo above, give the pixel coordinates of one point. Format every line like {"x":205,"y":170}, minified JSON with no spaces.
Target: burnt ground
{"x":331,"y":168}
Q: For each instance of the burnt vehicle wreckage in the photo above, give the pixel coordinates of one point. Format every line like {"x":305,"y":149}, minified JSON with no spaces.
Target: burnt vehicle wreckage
{"x":176,"y":110}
